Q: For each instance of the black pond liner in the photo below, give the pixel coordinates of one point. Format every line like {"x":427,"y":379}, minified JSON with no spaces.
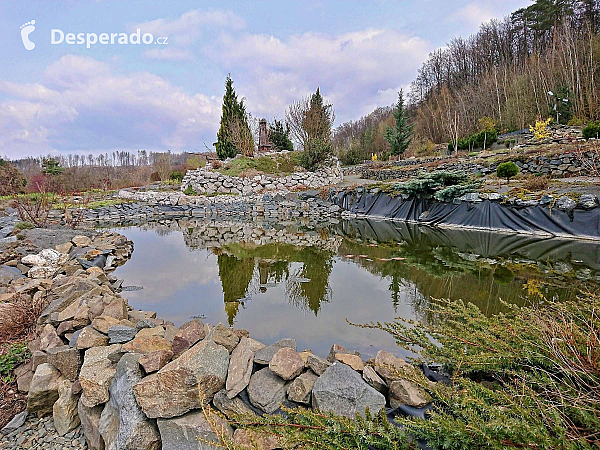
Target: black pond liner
{"x":484,"y":215}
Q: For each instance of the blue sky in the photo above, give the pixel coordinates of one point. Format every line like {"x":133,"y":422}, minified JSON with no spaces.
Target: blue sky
{"x":70,"y":98}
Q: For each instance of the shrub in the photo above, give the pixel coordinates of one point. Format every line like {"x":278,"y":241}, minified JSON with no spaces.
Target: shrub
{"x":15,"y":355}
{"x":11,"y":180}
{"x":189,"y":190}
{"x":476,"y":140}
{"x":154,"y":177}
{"x":507,"y":170}
{"x":540,"y":130}
{"x":536,"y":183}
{"x":315,"y":153}
{"x":591,"y":130}
{"x":353,"y":156}
{"x":430,"y":183}
{"x":216,"y":164}
{"x":176,"y":175}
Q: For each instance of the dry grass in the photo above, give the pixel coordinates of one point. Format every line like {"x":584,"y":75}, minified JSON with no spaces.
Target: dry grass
{"x":533,"y":183}
{"x":18,"y":318}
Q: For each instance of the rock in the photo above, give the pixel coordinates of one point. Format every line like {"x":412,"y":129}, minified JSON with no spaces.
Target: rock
{"x":374,"y":380}
{"x":351,"y":360}
{"x":64,"y":411}
{"x":64,"y":248}
{"x":8,"y":274}
{"x":38,"y":357}
{"x":90,"y":419}
{"x":252,"y":440}
{"x":300,"y":389}
{"x":145,"y":345}
{"x":136,"y":316}
{"x":564,"y":203}
{"x":317,"y":364}
{"x":189,"y":333}
{"x":193,"y":430}
{"x":266,"y":390}
{"x":225,"y":336}
{"x":81,"y":317}
{"x":389,"y":367}
{"x":15,"y":422}
{"x":116,"y":308}
{"x":342,"y":391}
{"x":264,"y":355}
{"x":286,"y":363}
{"x":588,"y":201}
{"x":154,"y":361}
{"x":102,"y":323}
{"x":24,"y":379}
{"x":155,"y":331}
{"x":42,"y":272}
{"x":66,"y":359}
{"x":335,"y":348}
{"x":119,"y":334}
{"x":89,"y":338}
{"x":230,"y":406}
{"x":240,"y":366}
{"x":43,"y":391}
{"x":404,"y":392}
{"x":67,"y":294}
{"x":65,"y":327}
{"x":81,"y":241}
{"x":96,"y":373}
{"x":184,"y":383}
{"x":49,"y":338}
{"x":123,"y":424}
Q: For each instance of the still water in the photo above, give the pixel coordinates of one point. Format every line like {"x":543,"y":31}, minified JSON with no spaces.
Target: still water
{"x":294,"y":280}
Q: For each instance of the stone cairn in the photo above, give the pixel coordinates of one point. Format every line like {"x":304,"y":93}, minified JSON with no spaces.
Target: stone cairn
{"x":119,"y":378}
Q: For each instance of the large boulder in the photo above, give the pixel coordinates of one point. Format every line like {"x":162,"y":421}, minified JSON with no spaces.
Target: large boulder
{"x":342,"y":391}
{"x":266,"y":390}
{"x":185,"y":383}
{"x":147,"y":344}
{"x":123,"y":424}
{"x":193,"y":431}
{"x":154,"y":361}
{"x":64,"y":411}
{"x":43,"y":391}
{"x":66,"y":359}
{"x":90,"y":425}
{"x":264,"y":355}
{"x":240,"y":366}
{"x":96,"y":374}
{"x":119,"y":334}
{"x":286,"y":363}
{"x":67,"y":294}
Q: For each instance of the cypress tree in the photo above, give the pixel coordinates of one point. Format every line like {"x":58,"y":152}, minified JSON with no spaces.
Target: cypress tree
{"x":400,"y":136}
{"x":231,"y":111}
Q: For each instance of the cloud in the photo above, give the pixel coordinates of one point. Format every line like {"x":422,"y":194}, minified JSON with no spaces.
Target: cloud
{"x":356,"y":71}
{"x":83,"y":104}
{"x":474,"y":14}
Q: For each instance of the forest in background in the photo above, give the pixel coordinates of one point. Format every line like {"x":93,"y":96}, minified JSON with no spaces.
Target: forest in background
{"x":504,"y":72}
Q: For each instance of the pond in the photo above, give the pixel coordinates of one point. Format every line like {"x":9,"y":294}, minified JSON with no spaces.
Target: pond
{"x":302,"y":281}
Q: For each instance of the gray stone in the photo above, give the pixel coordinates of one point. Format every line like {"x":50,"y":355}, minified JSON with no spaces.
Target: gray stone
{"x":123,"y":424}
{"x":225,"y":336}
{"x":119,"y":334}
{"x":266,"y":390}
{"x":15,"y":422}
{"x":317,"y":364}
{"x":230,"y":406}
{"x":588,"y":201}
{"x":342,"y":391}
{"x":193,"y":431}
{"x":186,"y":382}
{"x":300,"y":389}
{"x":564,"y":203}
{"x":264,"y":355}
{"x":404,"y":392}
{"x":336,"y":348}
{"x":240,"y":366}
{"x":374,"y":380}
{"x":286,"y":363}
{"x":8,"y":274}
{"x":96,"y":374}
{"x":43,"y":391}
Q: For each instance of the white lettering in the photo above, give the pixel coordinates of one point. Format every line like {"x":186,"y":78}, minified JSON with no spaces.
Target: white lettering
{"x":91,"y":38}
{"x":149,"y":36}
{"x":103,"y":38}
{"x":53,"y":36}
{"x":80,"y":38}
{"x":70,"y":38}
{"x":135,"y":35}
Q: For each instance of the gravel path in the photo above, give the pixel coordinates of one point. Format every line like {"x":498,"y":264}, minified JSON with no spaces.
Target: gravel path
{"x":40,"y":434}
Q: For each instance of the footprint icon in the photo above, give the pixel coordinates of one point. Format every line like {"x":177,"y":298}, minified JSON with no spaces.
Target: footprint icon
{"x":26,"y":30}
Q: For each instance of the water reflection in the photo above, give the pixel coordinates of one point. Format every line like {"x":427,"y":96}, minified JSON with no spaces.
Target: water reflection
{"x":297,"y":281}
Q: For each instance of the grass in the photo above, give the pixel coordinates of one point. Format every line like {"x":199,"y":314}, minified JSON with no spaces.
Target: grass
{"x":284,"y":164}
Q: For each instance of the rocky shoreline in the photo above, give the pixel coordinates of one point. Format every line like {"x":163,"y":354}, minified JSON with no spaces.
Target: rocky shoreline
{"x":131,"y":380}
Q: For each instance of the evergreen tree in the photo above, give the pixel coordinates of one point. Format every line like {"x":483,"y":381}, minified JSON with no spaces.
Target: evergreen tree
{"x":400,"y":136}
{"x":231,"y":111}
{"x":317,"y":122}
{"x":279,"y":136}
{"x":50,"y":166}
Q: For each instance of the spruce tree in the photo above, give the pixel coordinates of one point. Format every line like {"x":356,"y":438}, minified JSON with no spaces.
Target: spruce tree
{"x":279,"y":136}
{"x":400,"y":136}
{"x":231,"y":111}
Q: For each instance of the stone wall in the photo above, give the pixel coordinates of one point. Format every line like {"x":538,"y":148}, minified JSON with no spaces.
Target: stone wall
{"x":559,"y":165}
{"x":206,"y":181}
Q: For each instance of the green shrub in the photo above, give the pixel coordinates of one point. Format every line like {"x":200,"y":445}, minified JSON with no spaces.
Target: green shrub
{"x":189,"y":190}
{"x":24,"y":226}
{"x":353,"y":156}
{"x":428,"y":184}
{"x":476,"y":140}
{"x":176,"y":175}
{"x":591,"y":130}
{"x":16,"y":355}
{"x":507,"y":170}
{"x":315,"y":153}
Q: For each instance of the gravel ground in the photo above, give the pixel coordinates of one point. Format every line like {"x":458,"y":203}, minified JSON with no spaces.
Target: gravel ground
{"x":40,"y":434}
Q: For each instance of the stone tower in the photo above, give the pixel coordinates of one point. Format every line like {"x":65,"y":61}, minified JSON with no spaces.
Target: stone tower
{"x":264,"y":146}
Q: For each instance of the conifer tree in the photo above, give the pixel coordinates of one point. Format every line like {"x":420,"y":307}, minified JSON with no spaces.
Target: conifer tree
{"x":231,"y":110}
{"x":400,"y":136}
{"x":279,"y":136}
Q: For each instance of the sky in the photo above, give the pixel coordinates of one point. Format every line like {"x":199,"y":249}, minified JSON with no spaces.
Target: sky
{"x":69,"y":94}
